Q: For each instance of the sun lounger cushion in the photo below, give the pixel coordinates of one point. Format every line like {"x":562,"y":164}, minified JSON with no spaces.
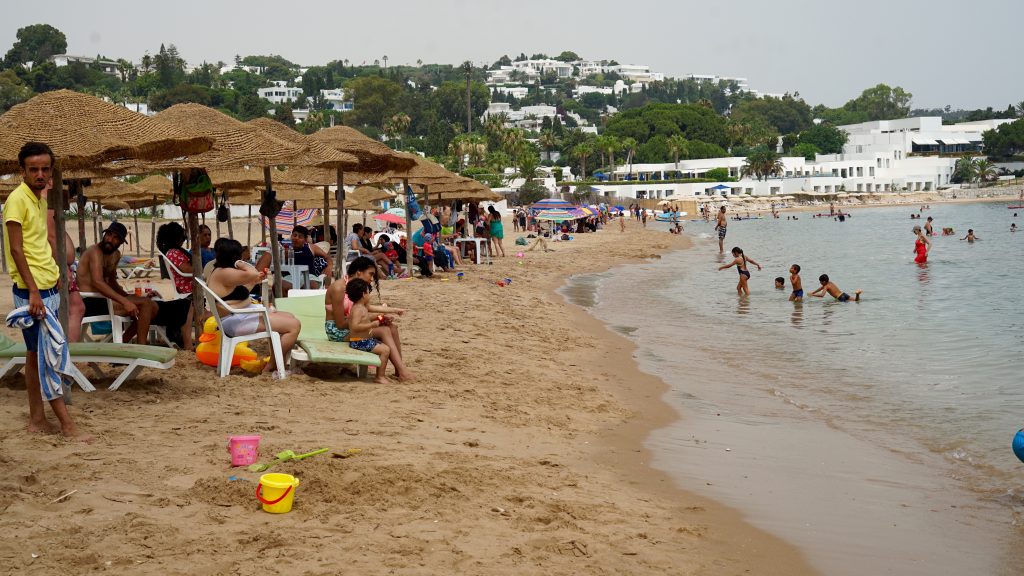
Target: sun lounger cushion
{"x":313,"y":338}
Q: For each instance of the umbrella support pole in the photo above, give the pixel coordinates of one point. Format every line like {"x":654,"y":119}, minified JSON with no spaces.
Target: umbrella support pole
{"x":341,"y":255}
{"x":275,"y":246}
{"x":61,"y":257}
{"x":326,"y":217}
{"x":409,"y":248}
{"x":96,"y":222}
{"x":138,"y":239}
{"x":248,"y":226}
{"x":82,"y":203}
{"x":217,"y":225}
{"x":152,"y":229}
{"x":231,"y":228}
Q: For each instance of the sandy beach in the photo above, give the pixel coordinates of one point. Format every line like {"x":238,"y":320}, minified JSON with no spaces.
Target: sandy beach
{"x":518,"y":450}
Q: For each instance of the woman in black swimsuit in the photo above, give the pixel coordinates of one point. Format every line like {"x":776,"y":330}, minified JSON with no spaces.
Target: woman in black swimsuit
{"x":740,"y":262}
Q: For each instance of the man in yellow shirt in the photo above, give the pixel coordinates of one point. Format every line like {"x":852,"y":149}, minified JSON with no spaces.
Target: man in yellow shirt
{"x":35,"y":275}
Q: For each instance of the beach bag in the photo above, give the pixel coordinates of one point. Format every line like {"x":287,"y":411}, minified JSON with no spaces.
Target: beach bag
{"x":521,"y":241}
{"x":271,"y":206}
{"x":195,"y":192}
{"x":223,"y":213}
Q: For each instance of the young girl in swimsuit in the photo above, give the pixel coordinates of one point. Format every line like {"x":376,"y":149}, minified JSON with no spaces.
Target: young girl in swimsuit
{"x":921,"y":246}
{"x":740,"y":263}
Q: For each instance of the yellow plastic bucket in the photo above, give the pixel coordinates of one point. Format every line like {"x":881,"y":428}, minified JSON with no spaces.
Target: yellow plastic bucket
{"x":276,"y":492}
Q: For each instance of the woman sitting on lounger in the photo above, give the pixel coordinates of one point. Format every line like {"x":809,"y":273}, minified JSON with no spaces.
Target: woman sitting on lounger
{"x":338,"y":306}
{"x":232,"y":279}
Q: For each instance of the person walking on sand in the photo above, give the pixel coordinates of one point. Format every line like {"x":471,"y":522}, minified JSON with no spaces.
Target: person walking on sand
{"x":34,"y":275}
{"x":740,"y":262}
{"x":833,"y":290}
{"x":720,"y":225}
{"x":922,"y":246}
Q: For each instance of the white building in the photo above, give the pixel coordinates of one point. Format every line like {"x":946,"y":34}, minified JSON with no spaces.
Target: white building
{"x":636,"y":73}
{"x":336,"y":100}
{"x":517,"y":92}
{"x":106,"y":66}
{"x":280,"y":93}
{"x":912,"y":154}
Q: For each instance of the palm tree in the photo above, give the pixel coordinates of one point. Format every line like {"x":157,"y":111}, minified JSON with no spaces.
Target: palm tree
{"x":984,"y":170}
{"x":966,"y":168}
{"x":763,"y":163}
{"x":548,"y":141}
{"x":629,"y":145}
{"x":582,"y":151}
{"x":678,"y":146}
{"x":611,"y":145}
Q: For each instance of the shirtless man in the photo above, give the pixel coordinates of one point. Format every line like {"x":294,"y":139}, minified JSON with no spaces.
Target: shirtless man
{"x":97,"y":272}
{"x":720,"y":225}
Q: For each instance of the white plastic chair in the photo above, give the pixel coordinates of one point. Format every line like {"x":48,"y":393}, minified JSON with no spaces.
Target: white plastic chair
{"x":228,"y":343}
{"x":119,"y":324}
{"x":174,"y":269}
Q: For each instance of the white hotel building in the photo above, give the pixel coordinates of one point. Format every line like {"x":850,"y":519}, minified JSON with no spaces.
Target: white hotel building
{"x":911,"y":154}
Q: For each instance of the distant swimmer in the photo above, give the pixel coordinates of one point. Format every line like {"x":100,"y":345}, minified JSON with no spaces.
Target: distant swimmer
{"x":928,"y":227}
{"x":740,"y":262}
{"x":922,"y":246}
{"x":720,"y":224}
{"x":798,"y":284}
{"x":833,"y":290}
{"x":970,"y":236}
{"x":780,"y":283}
{"x":1013,"y":227}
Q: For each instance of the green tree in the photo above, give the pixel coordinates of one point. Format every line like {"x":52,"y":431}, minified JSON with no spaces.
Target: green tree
{"x":179,"y":94}
{"x":787,"y":114}
{"x":881,"y":103}
{"x":581,"y":152}
{"x":828,"y":139}
{"x":12,"y":90}
{"x":450,"y":101}
{"x":966,"y":169}
{"x":1005,"y":141}
{"x":36,"y":43}
{"x":170,"y":67}
{"x":567,"y":56}
{"x":548,"y":142}
{"x":251,"y":106}
{"x":806,"y":149}
{"x":984,"y":170}
{"x":396,"y":127}
{"x":375,"y":99}
{"x":717,"y":174}
{"x":763,"y":163}
{"x":283,"y":113}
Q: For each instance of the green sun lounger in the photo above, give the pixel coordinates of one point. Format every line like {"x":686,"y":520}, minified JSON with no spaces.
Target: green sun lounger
{"x":133,"y":356}
{"x":316,"y":348}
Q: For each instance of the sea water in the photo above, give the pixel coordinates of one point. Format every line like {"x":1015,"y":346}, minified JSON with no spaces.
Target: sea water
{"x":875,"y":435}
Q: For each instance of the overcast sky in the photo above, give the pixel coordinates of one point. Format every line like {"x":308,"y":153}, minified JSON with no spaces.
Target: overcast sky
{"x":966,"y":54}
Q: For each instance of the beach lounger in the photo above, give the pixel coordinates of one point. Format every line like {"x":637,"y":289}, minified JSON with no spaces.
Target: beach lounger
{"x":308,"y":307}
{"x":133,"y":356}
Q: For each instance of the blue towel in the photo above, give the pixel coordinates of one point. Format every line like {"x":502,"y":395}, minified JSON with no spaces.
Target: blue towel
{"x":54,"y":359}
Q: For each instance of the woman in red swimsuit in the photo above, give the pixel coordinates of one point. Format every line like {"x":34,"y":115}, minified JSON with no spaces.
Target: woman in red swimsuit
{"x":921,"y":246}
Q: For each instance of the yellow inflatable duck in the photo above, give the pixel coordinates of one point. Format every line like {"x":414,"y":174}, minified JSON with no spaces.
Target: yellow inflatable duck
{"x":208,"y":350}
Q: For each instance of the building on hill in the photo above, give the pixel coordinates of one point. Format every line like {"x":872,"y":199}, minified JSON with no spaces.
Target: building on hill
{"x":335,"y":100}
{"x":518,"y":92}
{"x":280,"y":92}
{"x":108,"y":67}
{"x":909,"y":154}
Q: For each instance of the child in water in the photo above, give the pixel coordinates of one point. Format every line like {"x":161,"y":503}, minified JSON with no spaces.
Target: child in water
{"x":833,"y":290}
{"x":970,"y":236}
{"x":740,"y":262}
{"x":780,"y":283}
{"x":798,"y":284}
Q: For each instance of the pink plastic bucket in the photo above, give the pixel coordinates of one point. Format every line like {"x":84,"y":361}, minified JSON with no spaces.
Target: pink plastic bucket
{"x":244,"y":450}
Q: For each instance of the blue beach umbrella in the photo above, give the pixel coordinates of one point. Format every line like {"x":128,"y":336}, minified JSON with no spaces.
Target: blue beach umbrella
{"x":549,"y":203}
{"x":556,"y":215}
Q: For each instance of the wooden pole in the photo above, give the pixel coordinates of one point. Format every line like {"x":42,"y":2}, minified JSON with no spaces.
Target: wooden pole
{"x":342,"y":254}
{"x":231,"y":229}
{"x":248,"y":225}
{"x":152,"y":228}
{"x":409,"y":248}
{"x":95,"y":222}
{"x":82,"y":203}
{"x":138,"y":239}
{"x":274,"y":244}
{"x":295,"y":213}
{"x":263,"y":230}
{"x":217,"y":226}
{"x":327,"y":215}
{"x":62,"y":247}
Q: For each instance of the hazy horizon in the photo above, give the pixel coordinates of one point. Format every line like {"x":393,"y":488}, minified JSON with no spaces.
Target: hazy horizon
{"x":826,"y":52}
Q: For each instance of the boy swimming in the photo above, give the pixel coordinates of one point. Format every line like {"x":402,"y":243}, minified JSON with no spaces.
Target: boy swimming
{"x":970,"y":236}
{"x":798,"y":284}
{"x":833,"y":290}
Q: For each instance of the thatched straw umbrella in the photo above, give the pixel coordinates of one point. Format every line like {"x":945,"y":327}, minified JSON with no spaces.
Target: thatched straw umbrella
{"x":83,"y":132}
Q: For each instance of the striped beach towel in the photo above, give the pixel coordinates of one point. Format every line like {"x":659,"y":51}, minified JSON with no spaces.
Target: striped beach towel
{"x":53,"y":350}
{"x":288,"y":218}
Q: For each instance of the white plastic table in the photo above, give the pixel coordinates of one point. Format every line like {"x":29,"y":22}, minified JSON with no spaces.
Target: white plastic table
{"x":480,"y":244}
